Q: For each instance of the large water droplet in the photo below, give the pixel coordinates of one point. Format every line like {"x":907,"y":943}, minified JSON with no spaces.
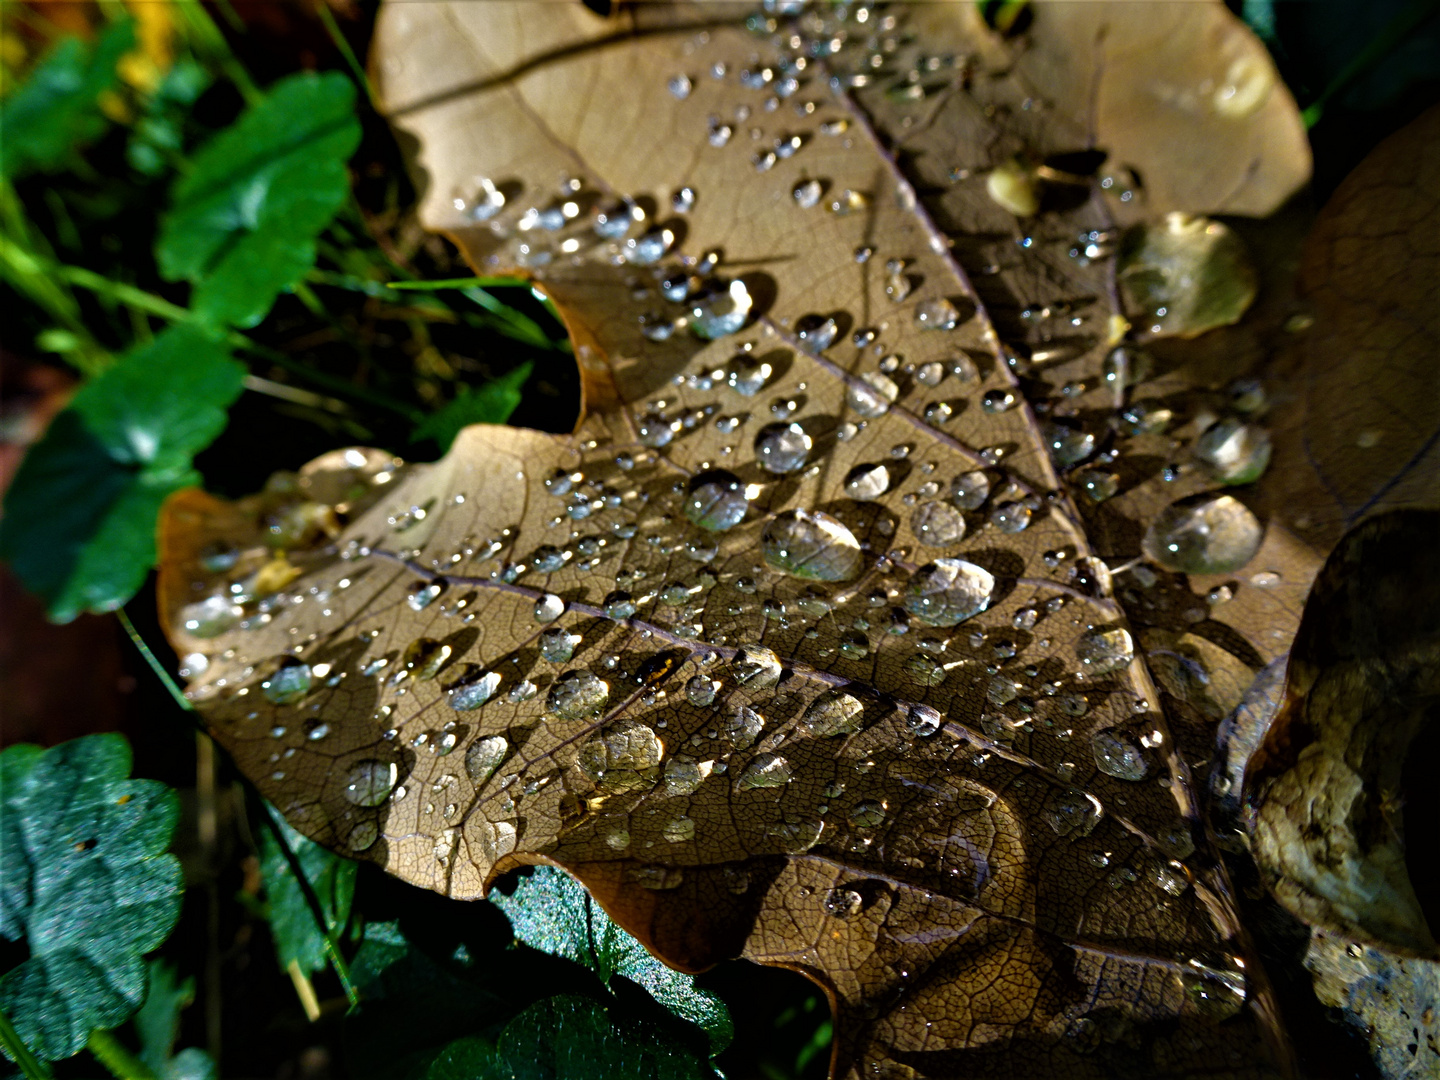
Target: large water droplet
{"x":549,"y":608}
{"x":743,"y":726}
{"x":866,"y":482}
{"x":719,"y":314}
{"x":473,"y":688}
{"x":872,"y":394}
{"x":701,"y":690}
{"x":1116,"y":755}
{"x":969,"y":490}
{"x":937,"y":524}
{"x":747,"y":376}
{"x":843,"y":903}
{"x":1217,"y":994}
{"x":766,"y":771}
{"x":684,"y":776}
{"x":834,"y":712}
{"x":484,"y":757}
{"x":936,"y":314}
{"x":756,"y":667}
{"x":557,"y":644}
{"x":624,"y":757}
{"x":811,"y":544}
{"x":716,"y":500}
{"x":288,"y":685}
{"x":948,"y":591}
{"x":370,"y":782}
{"x":1104,"y":651}
{"x":577,"y":695}
{"x":210,"y":617}
{"x":1203,"y":534}
{"x":867,"y":814}
{"x":924,"y":721}
{"x":1233,"y":451}
{"x":782,"y":448}
{"x":1071,"y":813}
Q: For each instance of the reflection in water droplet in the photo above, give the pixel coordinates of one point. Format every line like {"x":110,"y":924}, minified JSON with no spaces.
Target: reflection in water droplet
{"x":936,"y":524}
{"x":808,"y":193}
{"x":1117,"y":756}
{"x":872,"y":394}
{"x":834,"y":712}
{"x":363,"y":836}
{"x":657,"y":877}
{"x":811,"y":545}
{"x":370,"y":782}
{"x":743,"y":727}
{"x":1071,"y":812}
{"x":619,"y":605}
{"x":948,"y":591}
{"x":557,"y":644}
{"x":747,"y":376}
{"x":937,"y":314}
{"x":472,"y":689}
{"x":782,"y":448}
{"x":766,"y":771}
{"x":867,"y":814}
{"x":577,"y":695}
{"x":1203,"y":534}
{"x":288,"y":685}
{"x":716,"y":500}
{"x":701,"y":690}
{"x":923,"y":721}
{"x":866,"y":482}
{"x":1233,"y":451}
{"x":1011,"y":517}
{"x":1104,"y":651}
{"x":995,"y":401}
{"x":623,"y":757}
{"x":1216,"y":993}
{"x":756,"y":667}
{"x":717,"y":314}
{"x":684,"y":776}
{"x":925,"y":670}
{"x":484,"y":757}
{"x":549,"y":608}
{"x":423,"y":593}
{"x":210,"y":617}
{"x":843,"y":903}
{"x":795,"y":837}
{"x":679,"y":830}
{"x":969,"y":490}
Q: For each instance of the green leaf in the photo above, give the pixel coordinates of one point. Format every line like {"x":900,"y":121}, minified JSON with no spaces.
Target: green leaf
{"x":79,"y":521}
{"x":87,"y":883}
{"x":567,"y":1037}
{"x":292,"y":923}
{"x":243,"y":221}
{"x":158,"y":1024}
{"x":57,"y":108}
{"x":159,"y":134}
{"x":552,"y":912}
{"x":489,"y":403}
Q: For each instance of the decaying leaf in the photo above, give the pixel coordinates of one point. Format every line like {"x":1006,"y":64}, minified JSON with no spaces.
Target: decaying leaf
{"x":1328,"y":826}
{"x":796,"y":650}
{"x":1356,"y":431}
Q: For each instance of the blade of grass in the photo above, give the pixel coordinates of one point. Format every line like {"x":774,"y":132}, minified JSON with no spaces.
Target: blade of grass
{"x":1380,"y":46}
{"x":212,"y":39}
{"x":317,"y":912}
{"x":32,"y":1067}
{"x":327,"y":19}
{"x":111,"y":1053}
{"x":456,"y":283}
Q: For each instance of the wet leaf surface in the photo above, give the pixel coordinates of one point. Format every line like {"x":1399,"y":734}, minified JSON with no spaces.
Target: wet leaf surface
{"x":89,"y":887}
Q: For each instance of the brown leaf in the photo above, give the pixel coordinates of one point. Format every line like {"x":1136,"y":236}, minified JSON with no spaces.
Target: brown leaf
{"x":736,"y":754}
{"x":1328,"y":827}
{"x":1356,"y":429}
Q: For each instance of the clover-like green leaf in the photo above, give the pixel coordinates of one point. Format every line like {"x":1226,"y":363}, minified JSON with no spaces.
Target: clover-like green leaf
{"x":158,"y":1025}
{"x":56,"y":108}
{"x":243,"y":221}
{"x":552,"y":912}
{"x":489,"y":403}
{"x":79,"y":524}
{"x":297,"y":938}
{"x":88,"y":885}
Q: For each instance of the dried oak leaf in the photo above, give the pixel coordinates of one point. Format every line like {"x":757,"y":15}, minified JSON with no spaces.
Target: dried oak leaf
{"x":1325,"y":787}
{"x":787,"y":653}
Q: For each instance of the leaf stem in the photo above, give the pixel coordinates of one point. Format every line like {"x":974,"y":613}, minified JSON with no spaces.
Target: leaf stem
{"x":31,"y":1066}
{"x":154,"y":661}
{"x":455,"y":283}
{"x":111,"y":1053}
{"x":317,"y":911}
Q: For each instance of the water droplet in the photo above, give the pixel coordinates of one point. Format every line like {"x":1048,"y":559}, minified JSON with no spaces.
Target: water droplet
{"x":997,"y":401}
{"x":898,"y":285}
{"x":843,"y":903}
{"x":472,"y":689}
{"x":1104,"y":651}
{"x":948,"y":591}
{"x":619,"y":605}
{"x":1203,"y":534}
{"x":623,"y":757}
{"x":969,"y":490}
{"x":795,"y":837}
{"x":867,"y":814}
{"x":834,"y":712}
{"x":700,"y":690}
{"x":648,"y":248}
{"x":210,"y":617}
{"x":288,"y":685}
{"x":1011,"y":517}
{"x":558,"y":644}
{"x":719,"y":313}
{"x":936,"y":524}
{"x":818,"y":332}
{"x":716,"y":500}
{"x":872,"y":395}
{"x":679,"y":830}
{"x":782,"y":448}
{"x":1067,"y":445}
{"x":1015,"y":188}
{"x":1217,"y":994}
{"x":766,"y":771}
{"x":866,"y":482}
{"x":1071,"y":813}
{"x":578,"y":695}
{"x":936,"y":314}
{"x":363,"y":836}
{"x":1116,"y":755}
{"x":808,"y":193}
{"x":924,"y":670}
{"x":484,"y":757}
{"x":756,"y":667}
{"x":811,"y":544}
{"x":1098,"y":484}
{"x":658,"y":878}
{"x":1126,"y":365}
{"x":524,"y":690}
{"x":370,"y":782}
{"x":747,"y":376}
{"x":549,"y":608}
{"x":1233,"y":451}
{"x":684,"y":776}
{"x":680,"y":86}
